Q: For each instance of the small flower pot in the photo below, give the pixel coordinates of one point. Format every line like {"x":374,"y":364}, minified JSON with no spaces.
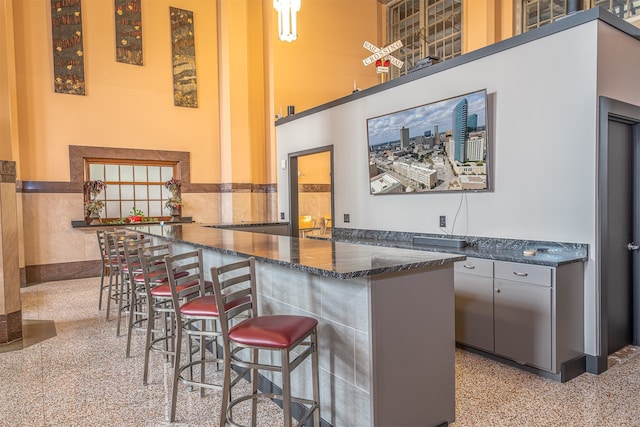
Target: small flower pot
{"x":175,"y":214}
{"x":135,"y":218}
{"x":95,"y":218}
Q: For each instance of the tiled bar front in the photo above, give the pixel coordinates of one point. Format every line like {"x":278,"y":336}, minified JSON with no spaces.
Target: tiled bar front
{"x":386,"y":341}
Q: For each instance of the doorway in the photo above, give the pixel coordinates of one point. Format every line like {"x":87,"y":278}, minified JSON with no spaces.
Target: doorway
{"x":618,"y":228}
{"x":311,"y":192}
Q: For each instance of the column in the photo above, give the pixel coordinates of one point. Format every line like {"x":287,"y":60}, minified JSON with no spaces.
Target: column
{"x":243,"y":88}
{"x":10,"y":306}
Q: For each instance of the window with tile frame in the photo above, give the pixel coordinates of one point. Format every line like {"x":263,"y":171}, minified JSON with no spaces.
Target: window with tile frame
{"x":130,"y":184}
{"x":426,"y":28}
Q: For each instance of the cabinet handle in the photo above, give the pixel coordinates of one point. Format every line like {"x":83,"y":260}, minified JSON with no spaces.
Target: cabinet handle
{"x":520,"y":274}
{"x":470,"y":267}
{"x":497,"y":291}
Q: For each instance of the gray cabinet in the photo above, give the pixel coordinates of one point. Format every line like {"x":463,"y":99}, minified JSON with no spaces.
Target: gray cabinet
{"x":473,"y":286}
{"x":523,"y":313}
{"x":528,"y":313}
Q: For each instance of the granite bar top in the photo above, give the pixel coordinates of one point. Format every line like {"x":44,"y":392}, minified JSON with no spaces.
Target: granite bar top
{"x":341,"y":260}
{"x":551,"y":254}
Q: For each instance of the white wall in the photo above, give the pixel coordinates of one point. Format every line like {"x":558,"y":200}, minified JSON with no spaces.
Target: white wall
{"x":544,"y":134}
{"x":617,"y":78}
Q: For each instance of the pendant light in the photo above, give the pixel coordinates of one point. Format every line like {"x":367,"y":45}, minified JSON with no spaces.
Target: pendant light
{"x":287,"y":25}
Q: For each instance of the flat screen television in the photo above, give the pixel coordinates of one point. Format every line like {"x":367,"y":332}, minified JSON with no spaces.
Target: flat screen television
{"x":436,"y":147}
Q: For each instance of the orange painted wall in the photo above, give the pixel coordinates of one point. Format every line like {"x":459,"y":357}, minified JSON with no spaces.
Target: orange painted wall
{"x":327,"y":57}
{"x":315,"y":168}
{"x":486,"y":22}
{"x":131,"y":106}
{"x":125,"y":105}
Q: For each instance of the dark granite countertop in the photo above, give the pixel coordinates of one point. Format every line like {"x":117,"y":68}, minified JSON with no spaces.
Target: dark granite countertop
{"x":248,"y":224}
{"x":550,"y":254}
{"x":326,"y":258}
{"x":82,"y":223}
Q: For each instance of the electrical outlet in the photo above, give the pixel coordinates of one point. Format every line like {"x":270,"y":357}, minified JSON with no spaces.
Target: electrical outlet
{"x":443,"y":221}
{"x":347,"y":217}
{"x":281,"y":215}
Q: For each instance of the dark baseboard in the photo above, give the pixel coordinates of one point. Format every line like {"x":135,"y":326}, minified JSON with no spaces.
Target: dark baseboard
{"x":573,"y":368}
{"x":568,"y":370}
{"x":597,"y":364}
{"x":35,"y":274}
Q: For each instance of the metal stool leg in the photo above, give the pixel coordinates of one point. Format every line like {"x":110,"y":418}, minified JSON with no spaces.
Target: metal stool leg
{"x":286,"y":387}
{"x":102,"y":274}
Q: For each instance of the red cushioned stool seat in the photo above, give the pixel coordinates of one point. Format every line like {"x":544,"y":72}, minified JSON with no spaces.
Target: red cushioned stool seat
{"x":205,"y":306}
{"x":277,"y":331}
{"x":165,"y":290}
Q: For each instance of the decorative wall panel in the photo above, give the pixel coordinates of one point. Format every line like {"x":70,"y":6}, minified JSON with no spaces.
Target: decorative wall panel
{"x":183,"y":52}
{"x":68,"y":51}
{"x":129,"y":31}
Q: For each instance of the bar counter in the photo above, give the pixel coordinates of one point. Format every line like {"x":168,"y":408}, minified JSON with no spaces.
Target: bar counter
{"x":386,"y":319}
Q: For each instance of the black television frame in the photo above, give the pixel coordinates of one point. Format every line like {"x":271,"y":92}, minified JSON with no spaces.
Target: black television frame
{"x":472,"y":175}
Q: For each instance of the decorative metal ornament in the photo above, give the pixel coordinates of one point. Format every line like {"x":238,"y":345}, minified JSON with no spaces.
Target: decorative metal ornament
{"x":183,"y":51}
{"x":128,"y":16}
{"x":68,"y":50}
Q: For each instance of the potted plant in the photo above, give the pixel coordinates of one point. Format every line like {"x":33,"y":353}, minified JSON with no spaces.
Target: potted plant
{"x":94,"y":207}
{"x":173,"y":185}
{"x":173,"y":203}
{"x":135,"y":215}
{"x":93,"y":188}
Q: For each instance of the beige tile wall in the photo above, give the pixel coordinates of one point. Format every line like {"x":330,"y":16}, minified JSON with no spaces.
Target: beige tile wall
{"x":49,"y":237}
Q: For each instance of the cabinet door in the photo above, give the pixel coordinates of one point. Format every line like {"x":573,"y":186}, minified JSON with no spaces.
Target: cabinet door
{"x":474,"y":310}
{"x":523,"y":322}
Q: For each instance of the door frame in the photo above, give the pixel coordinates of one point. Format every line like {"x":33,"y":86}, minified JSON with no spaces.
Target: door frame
{"x":293,"y":184}
{"x":611,"y":109}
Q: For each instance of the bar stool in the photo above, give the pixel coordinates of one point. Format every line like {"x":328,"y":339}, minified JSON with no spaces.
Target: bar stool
{"x":104,"y":265}
{"x":114,"y":258}
{"x":155,"y":283}
{"x":257,"y":335}
{"x":195,"y":315}
{"x":127,"y":245}
{"x":138,"y":314}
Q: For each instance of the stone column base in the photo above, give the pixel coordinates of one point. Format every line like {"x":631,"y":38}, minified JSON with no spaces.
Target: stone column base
{"x":10,"y":327}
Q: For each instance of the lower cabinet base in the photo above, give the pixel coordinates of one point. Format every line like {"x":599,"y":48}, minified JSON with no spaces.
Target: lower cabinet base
{"x":568,"y":370}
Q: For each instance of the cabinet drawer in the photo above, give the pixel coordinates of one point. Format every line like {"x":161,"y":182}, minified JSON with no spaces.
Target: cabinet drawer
{"x":527,"y":273}
{"x":475,"y":266}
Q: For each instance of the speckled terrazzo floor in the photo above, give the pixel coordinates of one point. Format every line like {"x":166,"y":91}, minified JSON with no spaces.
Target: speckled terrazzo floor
{"x":81,"y":377}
